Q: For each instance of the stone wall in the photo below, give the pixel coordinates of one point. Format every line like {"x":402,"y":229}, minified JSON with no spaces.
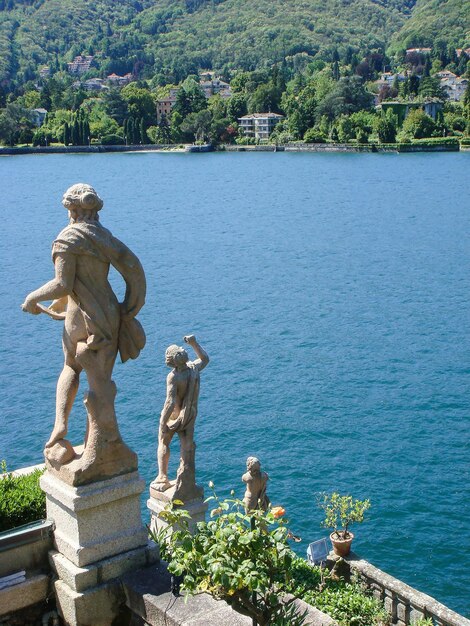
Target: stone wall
{"x":405,"y":604}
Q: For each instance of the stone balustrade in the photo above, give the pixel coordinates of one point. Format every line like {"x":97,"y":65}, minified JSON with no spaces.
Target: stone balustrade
{"x":405,"y":603}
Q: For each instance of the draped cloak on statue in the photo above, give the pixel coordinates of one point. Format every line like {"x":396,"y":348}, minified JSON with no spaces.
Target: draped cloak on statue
{"x":84,"y":239}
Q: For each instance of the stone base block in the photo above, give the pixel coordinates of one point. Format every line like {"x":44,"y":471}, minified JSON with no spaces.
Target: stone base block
{"x":80,"y":579}
{"x":159,"y":500}
{"x":96,"y":521}
{"x":92,"y":595}
{"x":97,"y":606}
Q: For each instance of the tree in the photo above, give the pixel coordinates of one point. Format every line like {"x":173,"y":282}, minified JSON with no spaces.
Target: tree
{"x":386,"y":130}
{"x":66,"y":137}
{"x":348,"y":95}
{"x":418,"y":125}
{"x":15,"y":120}
{"x":115,"y":105}
{"x":75,"y":134}
{"x":431,"y":88}
{"x":142,"y":132}
{"x":300,"y":110}
{"x":236,"y":107}
{"x":197,"y":124}
{"x":335,"y":70}
{"x":190,"y":98}
{"x":139,"y":102}
{"x":265,"y":98}
{"x":345,"y":128}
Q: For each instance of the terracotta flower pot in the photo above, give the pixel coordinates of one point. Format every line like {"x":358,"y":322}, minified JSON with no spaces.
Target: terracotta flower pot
{"x":341,"y":547}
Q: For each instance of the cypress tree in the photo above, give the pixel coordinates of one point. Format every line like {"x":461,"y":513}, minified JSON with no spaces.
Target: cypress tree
{"x":336,"y":74}
{"x":130,"y":130}
{"x":75,"y":133}
{"x":66,"y":134}
{"x":136,"y":134}
{"x":81,"y":126}
{"x":143,"y":132}
{"x":86,"y":132}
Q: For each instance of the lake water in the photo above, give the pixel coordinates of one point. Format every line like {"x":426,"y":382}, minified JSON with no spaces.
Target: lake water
{"x":332,"y":294}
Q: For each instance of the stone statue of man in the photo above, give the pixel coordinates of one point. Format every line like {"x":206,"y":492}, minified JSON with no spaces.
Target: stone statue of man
{"x":179,"y":416}
{"x":255,"y":481}
{"x":96,"y":327}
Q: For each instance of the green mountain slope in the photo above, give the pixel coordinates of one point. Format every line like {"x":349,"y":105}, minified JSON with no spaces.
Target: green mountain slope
{"x":245,"y":34}
{"x":176,"y":37}
{"x":432,"y":20}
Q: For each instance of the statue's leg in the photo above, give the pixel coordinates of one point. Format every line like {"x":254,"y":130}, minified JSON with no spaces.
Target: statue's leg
{"x":187,"y":469}
{"x":67,"y":387}
{"x":163,"y":457}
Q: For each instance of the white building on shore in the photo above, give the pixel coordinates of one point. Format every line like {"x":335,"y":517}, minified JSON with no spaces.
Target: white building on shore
{"x":259,"y":125}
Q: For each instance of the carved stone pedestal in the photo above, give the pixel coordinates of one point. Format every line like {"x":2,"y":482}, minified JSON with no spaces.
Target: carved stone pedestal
{"x":195,"y":506}
{"x":98,"y":536}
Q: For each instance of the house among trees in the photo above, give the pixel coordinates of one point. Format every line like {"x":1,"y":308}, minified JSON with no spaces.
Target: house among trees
{"x":38,"y":116}
{"x":92,"y":84}
{"x":120,"y":81}
{"x":418,"y":51}
{"x":45,"y":72}
{"x":402,"y":109}
{"x":80,"y":64}
{"x":259,"y":125}
{"x":216,"y":86}
{"x":455,"y":87}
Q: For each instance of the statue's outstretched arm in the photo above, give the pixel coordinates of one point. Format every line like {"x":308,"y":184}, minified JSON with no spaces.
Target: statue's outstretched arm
{"x":60,"y":286}
{"x":203,"y":357}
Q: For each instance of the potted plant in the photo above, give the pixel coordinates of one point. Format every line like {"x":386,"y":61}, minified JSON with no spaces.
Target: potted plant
{"x":340,"y":513}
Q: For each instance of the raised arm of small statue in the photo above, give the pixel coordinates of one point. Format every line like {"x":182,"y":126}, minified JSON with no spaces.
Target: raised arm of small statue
{"x":203,"y":357}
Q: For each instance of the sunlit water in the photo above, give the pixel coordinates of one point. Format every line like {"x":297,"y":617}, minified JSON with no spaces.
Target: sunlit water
{"x":332,"y":294}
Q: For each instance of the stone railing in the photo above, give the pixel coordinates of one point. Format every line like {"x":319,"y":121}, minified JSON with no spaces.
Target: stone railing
{"x":405,"y":604}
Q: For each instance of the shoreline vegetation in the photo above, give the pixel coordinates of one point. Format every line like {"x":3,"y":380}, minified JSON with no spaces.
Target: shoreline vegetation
{"x":449,"y":145}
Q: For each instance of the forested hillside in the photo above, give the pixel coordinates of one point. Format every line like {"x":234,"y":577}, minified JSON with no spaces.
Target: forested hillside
{"x":174,"y":38}
{"x":435,"y":21}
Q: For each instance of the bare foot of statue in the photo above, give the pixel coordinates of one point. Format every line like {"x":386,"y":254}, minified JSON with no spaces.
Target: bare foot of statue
{"x":57,"y":435}
{"x":161,"y":483}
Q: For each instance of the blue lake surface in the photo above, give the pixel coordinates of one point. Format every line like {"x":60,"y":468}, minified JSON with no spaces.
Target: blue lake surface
{"x":332,"y":294}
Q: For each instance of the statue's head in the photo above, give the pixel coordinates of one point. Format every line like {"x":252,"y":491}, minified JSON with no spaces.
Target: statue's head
{"x":82,"y":202}
{"x":253,"y":464}
{"x":175,"y":356}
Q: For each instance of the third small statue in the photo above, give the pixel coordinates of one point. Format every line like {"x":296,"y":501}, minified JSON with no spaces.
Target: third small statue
{"x":255,"y":481}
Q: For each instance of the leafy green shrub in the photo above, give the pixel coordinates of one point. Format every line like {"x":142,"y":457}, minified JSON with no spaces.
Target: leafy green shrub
{"x":231,"y":557}
{"x":423,"y":621}
{"x":465,"y":141}
{"x":313,"y":135}
{"x":112,"y":140}
{"x":348,"y":603}
{"x":236,"y":554}
{"x":21,"y":499}
{"x":436,"y":141}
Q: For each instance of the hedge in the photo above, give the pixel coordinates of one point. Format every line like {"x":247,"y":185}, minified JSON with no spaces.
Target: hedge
{"x":435,"y":141}
{"x":21,"y":499}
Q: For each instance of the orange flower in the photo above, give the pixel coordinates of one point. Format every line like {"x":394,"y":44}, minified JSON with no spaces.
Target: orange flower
{"x":278,"y":511}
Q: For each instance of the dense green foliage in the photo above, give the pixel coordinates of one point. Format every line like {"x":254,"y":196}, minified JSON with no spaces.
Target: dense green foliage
{"x":433,"y":22}
{"x":237,"y":554}
{"x":233,"y":556}
{"x":173,"y":38}
{"x":21,"y":499}
{"x":347,"y":602}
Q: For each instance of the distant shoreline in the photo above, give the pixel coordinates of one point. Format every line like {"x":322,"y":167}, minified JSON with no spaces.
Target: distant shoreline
{"x":177,"y":148}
